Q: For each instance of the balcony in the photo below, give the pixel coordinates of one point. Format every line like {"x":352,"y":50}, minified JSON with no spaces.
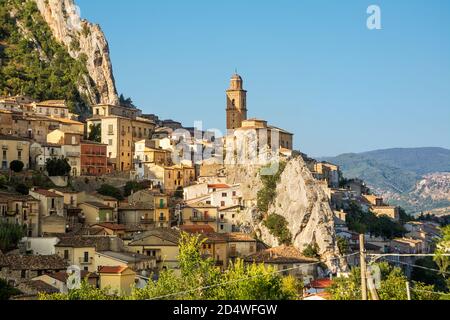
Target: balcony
{"x":147,"y":221}
{"x":85,"y":262}
{"x":73,"y":154}
{"x":203,"y":219}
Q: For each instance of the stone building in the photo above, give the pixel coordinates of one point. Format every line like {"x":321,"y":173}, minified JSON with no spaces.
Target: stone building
{"x":236,"y":103}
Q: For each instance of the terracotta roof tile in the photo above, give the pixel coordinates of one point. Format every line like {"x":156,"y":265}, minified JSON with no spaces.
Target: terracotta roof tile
{"x":110,"y":270}
{"x":280,"y":255}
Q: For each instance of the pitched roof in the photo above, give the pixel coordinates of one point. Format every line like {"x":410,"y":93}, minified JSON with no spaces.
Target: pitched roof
{"x":239,"y":237}
{"x":110,"y":226}
{"x":166,"y":234}
{"x":97,"y":205}
{"x":63,"y":275}
{"x":200,"y":228}
{"x":100,"y":243}
{"x":38,"y":286}
{"x":279,"y":255}
{"x":47,"y":193}
{"x":219,"y":186}
{"x":127,"y":257}
{"x":321,"y":283}
{"x":22,"y":262}
{"x":112,"y":270}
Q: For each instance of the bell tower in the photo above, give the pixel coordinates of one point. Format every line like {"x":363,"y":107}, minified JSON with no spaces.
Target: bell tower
{"x":236,"y":103}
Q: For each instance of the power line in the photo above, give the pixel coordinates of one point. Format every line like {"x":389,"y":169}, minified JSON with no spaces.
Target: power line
{"x":247,"y":278}
{"x":419,"y":267}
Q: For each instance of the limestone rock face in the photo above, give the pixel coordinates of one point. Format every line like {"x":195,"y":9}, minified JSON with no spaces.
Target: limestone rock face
{"x":82,"y":40}
{"x":300,"y":200}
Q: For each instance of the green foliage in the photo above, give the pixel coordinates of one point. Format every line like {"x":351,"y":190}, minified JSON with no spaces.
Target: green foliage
{"x":58,"y":167}
{"x":311,"y":251}
{"x":443,"y":247}
{"x":347,"y":288}
{"x":22,"y":189}
{"x":268,"y":192}
{"x":6,"y":291}
{"x":363,"y":222}
{"x":126,"y":102}
{"x":16,"y":166}
{"x":200,"y":279}
{"x":343,"y":245}
{"x":37,"y":65}
{"x":40,"y":180}
{"x":133,"y":186}
{"x":85,"y":292}
{"x":3,"y":181}
{"x":179,"y":193}
{"x":278,"y":227}
{"x":95,"y":133}
{"x":10,"y":235}
{"x":110,"y":191}
{"x":427,"y":276}
{"x":392,"y":287}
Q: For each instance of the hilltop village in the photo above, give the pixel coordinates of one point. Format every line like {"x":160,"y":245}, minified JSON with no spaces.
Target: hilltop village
{"x":106,"y":195}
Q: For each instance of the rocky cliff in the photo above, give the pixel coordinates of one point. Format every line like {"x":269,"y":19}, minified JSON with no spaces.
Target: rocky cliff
{"x":299,"y":199}
{"x":85,"y":41}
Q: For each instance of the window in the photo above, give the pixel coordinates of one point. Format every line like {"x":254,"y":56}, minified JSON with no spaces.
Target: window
{"x":222,"y":203}
{"x":110,"y":142}
{"x":234,"y":193}
{"x":23,"y":274}
{"x":221,"y":227}
{"x":66,"y":254}
{"x":224,"y":195}
{"x":86,"y":257}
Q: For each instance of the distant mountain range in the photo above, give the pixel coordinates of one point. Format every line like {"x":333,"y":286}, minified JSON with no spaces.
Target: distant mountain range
{"x":418,"y":179}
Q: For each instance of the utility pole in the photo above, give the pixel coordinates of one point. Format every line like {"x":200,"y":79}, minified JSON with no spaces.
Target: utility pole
{"x":408,"y":290}
{"x":362,"y":254}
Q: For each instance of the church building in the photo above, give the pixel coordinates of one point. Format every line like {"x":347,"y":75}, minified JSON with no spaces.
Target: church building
{"x":237,"y":121}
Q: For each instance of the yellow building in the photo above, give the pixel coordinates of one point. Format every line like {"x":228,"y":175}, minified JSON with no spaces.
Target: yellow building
{"x":200,"y":214}
{"x":385,"y":210}
{"x":170,"y":178}
{"x":14,"y":149}
{"x":161,"y":211}
{"x":6,"y":122}
{"x":106,"y":110}
{"x":120,"y":134}
{"x":159,"y":243}
{"x":70,"y":147}
{"x":51,"y":108}
{"x":80,"y":251}
{"x":22,"y":210}
{"x":134,"y":261}
{"x":96,"y":212}
{"x":328,"y":172}
{"x":236,"y":103}
{"x":118,"y":280}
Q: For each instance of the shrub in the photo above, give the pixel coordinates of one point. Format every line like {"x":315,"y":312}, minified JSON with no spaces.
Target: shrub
{"x":278,"y":227}
{"x":311,"y":251}
{"x":58,"y":167}
{"x":22,"y":189}
{"x":268,"y":192}
{"x":16,"y":166}
{"x":110,"y":191}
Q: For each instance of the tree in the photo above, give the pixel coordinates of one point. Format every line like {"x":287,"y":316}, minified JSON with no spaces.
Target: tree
{"x":16,"y":166}
{"x":179,"y":193}
{"x":58,"y":167}
{"x":10,"y":235}
{"x":343,"y":245}
{"x":22,"y":189}
{"x":110,"y":191}
{"x":95,"y":133}
{"x":200,"y":279}
{"x":392,"y":286}
{"x":6,"y":291}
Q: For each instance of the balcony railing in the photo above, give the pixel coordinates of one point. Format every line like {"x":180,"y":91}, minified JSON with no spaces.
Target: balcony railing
{"x":203,"y":219}
{"x":88,"y":261}
{"x":147,"y":221}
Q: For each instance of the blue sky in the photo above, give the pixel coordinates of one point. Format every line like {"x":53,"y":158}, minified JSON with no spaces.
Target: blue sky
{"x":310,"y":66}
